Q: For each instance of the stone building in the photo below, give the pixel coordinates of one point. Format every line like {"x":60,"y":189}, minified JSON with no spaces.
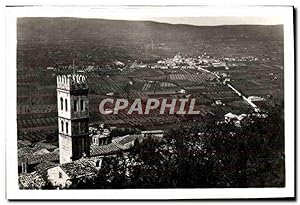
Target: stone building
{"x":101,"y":137}
{"x":73,"y":117}
{"x":67,"y":174}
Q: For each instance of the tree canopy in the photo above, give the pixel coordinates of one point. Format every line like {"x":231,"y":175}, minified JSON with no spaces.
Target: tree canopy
{"x":210,"y":154}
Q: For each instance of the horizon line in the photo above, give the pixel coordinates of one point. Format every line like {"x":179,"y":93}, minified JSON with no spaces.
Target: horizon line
{"x":176,"y":21}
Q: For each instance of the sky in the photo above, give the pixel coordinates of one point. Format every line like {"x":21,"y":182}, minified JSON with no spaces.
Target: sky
{"x":207,"y":21}
{"x":199,"y":16}
{"x":213,"y":21}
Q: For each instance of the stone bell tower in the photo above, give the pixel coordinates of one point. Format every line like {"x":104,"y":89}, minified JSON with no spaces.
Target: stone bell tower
{"x":73,"y":117}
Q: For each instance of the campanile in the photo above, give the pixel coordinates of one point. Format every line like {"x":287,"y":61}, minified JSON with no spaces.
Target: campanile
{"x":73,"y":117}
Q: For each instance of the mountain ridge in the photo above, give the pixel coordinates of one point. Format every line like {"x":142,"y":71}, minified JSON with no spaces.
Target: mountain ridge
{"x":53,"y":39}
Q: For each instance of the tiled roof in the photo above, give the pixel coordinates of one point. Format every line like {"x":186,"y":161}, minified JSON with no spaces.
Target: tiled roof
{"x":41,"y":151}
{"x":152,"y":131}
{"x":24,"y":151}
{"x":35,"y":155}
{"x":25,"y":148}
{"x":44,"y":166}
{"x":123,"y":141}
{"x":43,"y":145}
{"x":118,"y":145}
{"x":79,"y":168}
{"x":104,"y":149}
{"x":36,"y":159}
{"x":23,"y":143}
{"x":31,"y":181}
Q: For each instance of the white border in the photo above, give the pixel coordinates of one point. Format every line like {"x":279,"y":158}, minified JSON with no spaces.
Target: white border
{"x":13,"y":191}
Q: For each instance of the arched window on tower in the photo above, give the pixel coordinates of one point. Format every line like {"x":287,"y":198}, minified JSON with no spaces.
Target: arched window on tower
{"x":81,"y":104}
{"x":66,"y":104}
{"x":67,"y":127}
{"x":61,"y":103}
{"x":62,"y":126}
{"x":75,"y":105}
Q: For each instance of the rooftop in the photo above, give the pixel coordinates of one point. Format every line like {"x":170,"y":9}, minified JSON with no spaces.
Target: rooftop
{"x":79,"y":168}
{"x":104,"y":149}
{"x":44,"y":166}
{"x":31,"y":181}
{"x":152,"y":131}
{"x":38,"y":158}
{"x":71,"y":82}
{"x":126,"y":141}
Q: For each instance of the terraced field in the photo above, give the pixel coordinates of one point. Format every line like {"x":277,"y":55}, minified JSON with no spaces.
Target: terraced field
{"x":200,"y":78}
{"x":37,"y":108}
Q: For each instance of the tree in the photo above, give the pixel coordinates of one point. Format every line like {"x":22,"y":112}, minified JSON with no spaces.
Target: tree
{"x":209,"y":154}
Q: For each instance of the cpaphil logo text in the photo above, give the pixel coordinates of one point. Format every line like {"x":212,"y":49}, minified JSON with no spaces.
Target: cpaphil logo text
{"x":181,"y":106}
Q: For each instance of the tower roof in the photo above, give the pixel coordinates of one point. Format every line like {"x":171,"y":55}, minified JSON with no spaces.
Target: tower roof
{"x":72,"y":82}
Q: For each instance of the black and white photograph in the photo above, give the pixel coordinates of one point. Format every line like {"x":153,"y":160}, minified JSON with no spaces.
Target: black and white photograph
{"x":151,"y":100}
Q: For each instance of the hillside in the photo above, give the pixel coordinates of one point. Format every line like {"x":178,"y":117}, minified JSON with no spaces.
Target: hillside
{"x":56,"y":41}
